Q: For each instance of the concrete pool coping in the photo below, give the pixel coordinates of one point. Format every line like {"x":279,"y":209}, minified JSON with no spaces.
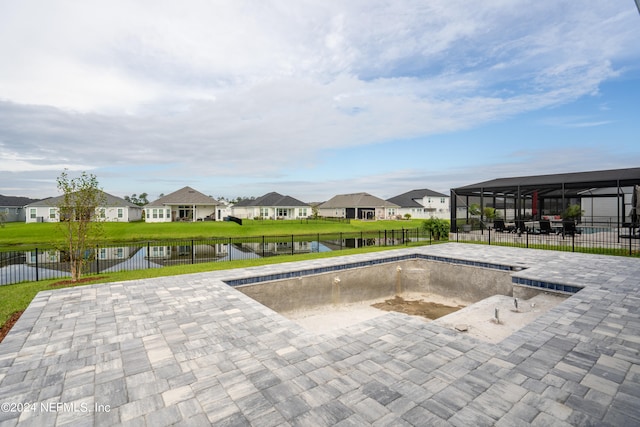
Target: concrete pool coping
{"x":192,"y":350}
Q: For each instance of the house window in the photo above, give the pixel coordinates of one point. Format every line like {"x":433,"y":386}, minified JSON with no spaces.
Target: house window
{"x":160,"y":213}
{"x":102,"y":213}
{"x":302,"y":212}
{"x":120,"y":213}
{"x":185,"y":212}
{"x":32,"y":213}
{"x":264,"y":212}
{"x":282,"y":211}
{"x":392,"y":211}
{"x":155,"y":213}
{"x":52,"y":213}
{"x":442,"y":200}
{"x":120,"y":253}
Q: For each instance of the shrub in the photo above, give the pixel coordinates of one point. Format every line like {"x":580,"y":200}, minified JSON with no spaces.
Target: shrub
{"x":438,"y":228}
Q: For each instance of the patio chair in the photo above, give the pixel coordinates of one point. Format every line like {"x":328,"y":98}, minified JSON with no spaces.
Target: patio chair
{"x":545,"y":227}
{"x":521,"y":227}
{"x":498,"y":225}
{"x":569,"y":228}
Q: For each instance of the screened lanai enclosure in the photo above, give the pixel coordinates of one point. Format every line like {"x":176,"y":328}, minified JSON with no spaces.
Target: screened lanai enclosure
{"x":607,"y":197}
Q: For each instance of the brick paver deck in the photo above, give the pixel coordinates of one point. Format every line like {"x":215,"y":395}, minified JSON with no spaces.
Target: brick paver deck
{"x":191,"y":350}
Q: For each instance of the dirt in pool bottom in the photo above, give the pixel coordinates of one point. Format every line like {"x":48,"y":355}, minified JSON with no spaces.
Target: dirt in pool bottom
{"x":427,"y":309}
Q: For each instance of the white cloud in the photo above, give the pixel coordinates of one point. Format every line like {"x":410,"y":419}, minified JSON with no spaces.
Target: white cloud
{"x":237,"y":87}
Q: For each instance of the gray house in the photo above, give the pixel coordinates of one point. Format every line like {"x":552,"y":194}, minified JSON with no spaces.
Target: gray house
{"x":115,"y":209}
{"x":358,"y":205}
{"x":12,"y":208}
{"x":272,"y":206}
{"x":185,"y":204}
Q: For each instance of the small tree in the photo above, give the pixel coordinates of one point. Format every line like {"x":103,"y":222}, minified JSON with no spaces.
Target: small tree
{"x":80,"y":218}
{"x":490,"y":213}
{"x":573,"y":212}
{"x":438,"y":228}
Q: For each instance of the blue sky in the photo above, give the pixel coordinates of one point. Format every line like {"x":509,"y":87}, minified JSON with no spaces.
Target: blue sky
{"x":314,"y":98}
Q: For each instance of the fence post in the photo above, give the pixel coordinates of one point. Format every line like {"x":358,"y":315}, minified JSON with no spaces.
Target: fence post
{"x":292,"y":245}
{"x":341,"y":240}
{"x":97,"y":259}
{"x":229,"y":249}
{"x":489,"y":231}
{"x":37,"y":269}
{"x":263,"y":246}
{"x":193,"y":260}
{"x":148,"y":255}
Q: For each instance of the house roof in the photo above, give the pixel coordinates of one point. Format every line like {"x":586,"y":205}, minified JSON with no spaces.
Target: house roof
{"x":185,"y":196}
{"x":552,"y":185}
{"x":272,"y":199}
{"x":15,"y":201}
{"x":356,"y":200}
{"x":408,"y":199}
{"x":109,"y":200}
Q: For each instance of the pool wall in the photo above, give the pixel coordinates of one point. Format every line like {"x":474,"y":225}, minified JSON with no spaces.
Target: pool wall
{"x":465,"y":283}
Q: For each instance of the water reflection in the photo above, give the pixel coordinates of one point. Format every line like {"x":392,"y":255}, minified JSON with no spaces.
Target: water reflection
{"x":46,"y":264}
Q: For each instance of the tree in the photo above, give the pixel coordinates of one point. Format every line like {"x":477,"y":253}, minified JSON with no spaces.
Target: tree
{"x":438,"y":228}
{"x":140,"y":200}
{"x":490,"y":213}
{"x":80,"y":218}
{"x":573,"y":212}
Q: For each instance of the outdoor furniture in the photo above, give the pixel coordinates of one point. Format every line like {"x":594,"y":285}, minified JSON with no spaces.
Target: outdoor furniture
{"x":569,"y":228}
{"x":545,"y":226}
{"x":498,"y":225}
{"x":521,"y":227}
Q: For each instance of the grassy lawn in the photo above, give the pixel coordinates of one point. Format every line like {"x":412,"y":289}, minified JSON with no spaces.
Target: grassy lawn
{"x":22,"y":234}
{"x":16,"y":298}
{"x":14,"y":236}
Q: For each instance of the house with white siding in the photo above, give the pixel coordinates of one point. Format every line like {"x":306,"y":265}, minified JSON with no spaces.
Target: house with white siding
{"x":185,"y":204}
{"x":114,"y":209}
{"x":422,"y":204}
{"x":358,"y":206}
{"x":271,"y":206}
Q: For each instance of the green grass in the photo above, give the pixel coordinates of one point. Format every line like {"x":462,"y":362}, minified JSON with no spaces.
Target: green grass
{"x":22,"y":234}
{"x":16,"y":298}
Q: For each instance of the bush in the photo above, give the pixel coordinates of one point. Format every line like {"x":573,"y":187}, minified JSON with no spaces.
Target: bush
{"x":438,"y":228}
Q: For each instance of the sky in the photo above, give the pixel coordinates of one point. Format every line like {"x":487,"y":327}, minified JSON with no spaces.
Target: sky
{"x":313,"y":98}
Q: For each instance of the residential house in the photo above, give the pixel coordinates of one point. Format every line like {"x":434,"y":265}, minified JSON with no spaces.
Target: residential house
{"x":422,"y":204}
{"x":185,"y":204}
{"x":271,"y":206}
{"x":12,"y":208}
{"x":114,"y":209}
{"x":358,"y":205}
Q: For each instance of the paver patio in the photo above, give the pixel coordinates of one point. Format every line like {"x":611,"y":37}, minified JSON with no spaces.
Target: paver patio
{"x":191,"y":350}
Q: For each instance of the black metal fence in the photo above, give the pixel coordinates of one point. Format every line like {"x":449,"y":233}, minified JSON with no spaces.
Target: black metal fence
{"x":598,"y":238}
{"x":43,"y":263}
